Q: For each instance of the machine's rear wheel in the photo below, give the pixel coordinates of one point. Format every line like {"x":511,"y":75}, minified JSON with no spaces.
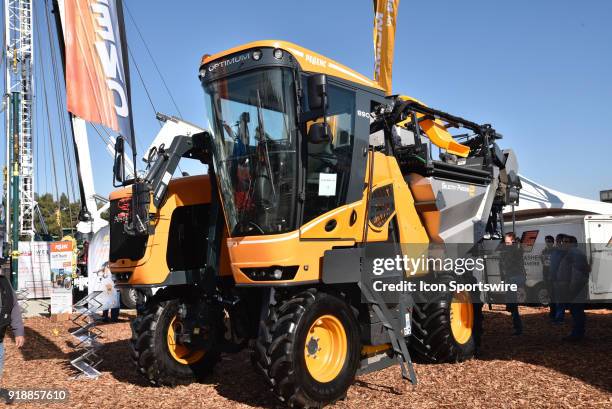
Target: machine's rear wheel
{"x":443,"y":328}
{"x":157,"y":353}
{"x":308,"y":349}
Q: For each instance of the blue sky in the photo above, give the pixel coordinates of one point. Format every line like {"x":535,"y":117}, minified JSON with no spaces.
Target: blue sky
{"x":539,"y":71}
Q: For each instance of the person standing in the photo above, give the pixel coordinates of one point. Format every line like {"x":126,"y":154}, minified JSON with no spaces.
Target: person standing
{"x":577,"y":290}
{"x":545,"y":258}
{"x":513,"y":272}
{"x":10,"y":315}
{"x":110,"y":289}
{"x":556,"y":256}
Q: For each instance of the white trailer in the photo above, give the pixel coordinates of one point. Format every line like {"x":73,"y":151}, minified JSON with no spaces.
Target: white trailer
{"x":594,"y":231}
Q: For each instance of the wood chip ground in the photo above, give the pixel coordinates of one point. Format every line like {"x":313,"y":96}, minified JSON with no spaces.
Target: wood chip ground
{"x":531,"y":371}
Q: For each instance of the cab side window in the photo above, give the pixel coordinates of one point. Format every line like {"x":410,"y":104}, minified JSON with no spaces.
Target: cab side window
{"x":329,"y":164}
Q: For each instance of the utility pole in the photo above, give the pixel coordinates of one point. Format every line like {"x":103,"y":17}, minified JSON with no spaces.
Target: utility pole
{"x":19,"y":104}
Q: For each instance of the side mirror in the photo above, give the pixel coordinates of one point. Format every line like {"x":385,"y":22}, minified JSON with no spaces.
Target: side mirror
{"x":317,"y":92}
{"x":319,"y":132}
{"x":119,"y":162}
{"x":120,"y":145}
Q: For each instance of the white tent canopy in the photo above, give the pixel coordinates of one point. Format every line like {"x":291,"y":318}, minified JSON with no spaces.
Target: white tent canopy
{"x":538,"y":201}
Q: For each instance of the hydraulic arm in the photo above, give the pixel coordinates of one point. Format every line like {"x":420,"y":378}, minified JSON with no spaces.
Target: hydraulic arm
{"x":154,"y":186}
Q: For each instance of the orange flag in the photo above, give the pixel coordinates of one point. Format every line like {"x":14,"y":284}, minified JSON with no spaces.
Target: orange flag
{"x":97,"y":70}
{"x":385,"y":19}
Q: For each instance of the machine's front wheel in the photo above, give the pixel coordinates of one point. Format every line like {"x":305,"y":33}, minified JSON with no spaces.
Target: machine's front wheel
{"x":443,"y":328}
{"x":308,"y":349}
{"x":157,"y":353}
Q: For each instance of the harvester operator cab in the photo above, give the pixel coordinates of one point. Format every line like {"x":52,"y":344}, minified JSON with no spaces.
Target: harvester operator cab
{"x":293,"y":162}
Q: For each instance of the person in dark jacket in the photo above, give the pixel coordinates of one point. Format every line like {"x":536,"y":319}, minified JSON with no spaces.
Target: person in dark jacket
{"x":545,"y":258}
{"x":578,"y":279}
{"x":555,"y":260}
{"x":513,"y":272}
{"x":10,"y":315}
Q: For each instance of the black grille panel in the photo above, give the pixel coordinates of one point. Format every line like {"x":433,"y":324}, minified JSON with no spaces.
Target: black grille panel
{"x":188,"y":237}
{"x":121,"y":244}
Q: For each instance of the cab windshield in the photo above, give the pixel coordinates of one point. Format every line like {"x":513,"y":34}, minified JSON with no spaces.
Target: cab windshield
{"x":253,"y":123}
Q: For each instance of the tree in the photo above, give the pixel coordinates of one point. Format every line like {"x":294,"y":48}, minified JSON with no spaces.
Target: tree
{"x":57,"y":215}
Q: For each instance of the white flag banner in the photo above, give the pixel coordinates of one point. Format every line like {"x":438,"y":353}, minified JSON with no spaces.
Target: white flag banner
{"x":99,"y":274}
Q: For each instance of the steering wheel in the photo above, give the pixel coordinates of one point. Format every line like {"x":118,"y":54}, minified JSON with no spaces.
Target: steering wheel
{"x":240,"y":226}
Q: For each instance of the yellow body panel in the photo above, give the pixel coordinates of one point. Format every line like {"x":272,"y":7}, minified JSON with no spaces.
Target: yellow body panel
{"x":120,"y":193}
{"x":437,"y":133}
{"x":152,"y":268}
{"x":308,"y":60}
{"x":299,"y":248}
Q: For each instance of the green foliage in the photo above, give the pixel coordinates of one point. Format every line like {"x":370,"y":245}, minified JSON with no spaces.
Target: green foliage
{"x":49,"y":207}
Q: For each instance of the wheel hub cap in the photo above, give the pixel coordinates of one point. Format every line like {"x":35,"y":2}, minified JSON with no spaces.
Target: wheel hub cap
{"x":313,"y":346}
{"x":325,"y":348}
{"x":180,"y":352}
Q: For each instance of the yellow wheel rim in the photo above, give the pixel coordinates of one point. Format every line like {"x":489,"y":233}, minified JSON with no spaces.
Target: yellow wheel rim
{"x":461,"y":317}
{"x":325,"y":349}
{"x":181,"y":353}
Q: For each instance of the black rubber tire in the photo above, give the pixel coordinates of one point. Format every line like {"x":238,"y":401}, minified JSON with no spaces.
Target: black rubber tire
{"x":432,"y":340}
{"x":128,"y":298}
{"x":279,"y":350}
{"x":149,"y":348}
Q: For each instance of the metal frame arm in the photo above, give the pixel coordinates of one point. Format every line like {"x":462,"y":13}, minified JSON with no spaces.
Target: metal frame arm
{"x":167,"y":161}
{"x":402,"y":109}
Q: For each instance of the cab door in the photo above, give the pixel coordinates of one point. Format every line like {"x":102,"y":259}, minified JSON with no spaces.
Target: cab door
{"x":328,"y":170}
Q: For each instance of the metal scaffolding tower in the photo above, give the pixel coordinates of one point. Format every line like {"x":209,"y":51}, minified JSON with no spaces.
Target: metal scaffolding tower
{"x":19,"y":105}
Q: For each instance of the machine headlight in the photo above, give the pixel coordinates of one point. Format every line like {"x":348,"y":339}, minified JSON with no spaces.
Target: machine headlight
{"x":271,"y":273}
{"x":202,"y":73}
{"x":123,"y":277}
{"x":257,"y":55}
{"x":278,"y":53}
